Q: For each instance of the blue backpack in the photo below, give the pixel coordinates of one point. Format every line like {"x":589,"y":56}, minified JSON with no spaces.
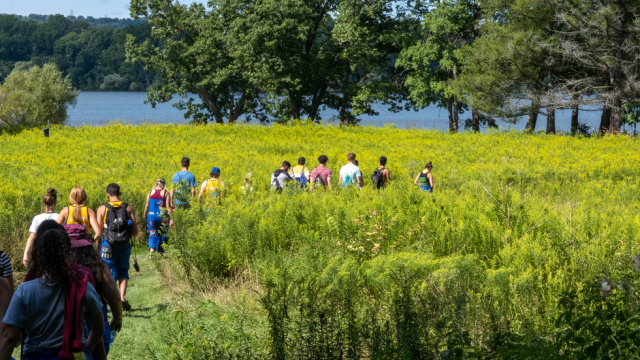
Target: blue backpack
{"x":302,"y":180}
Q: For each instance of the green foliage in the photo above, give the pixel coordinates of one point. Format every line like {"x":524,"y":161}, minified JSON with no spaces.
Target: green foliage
{"x":33,"y":97}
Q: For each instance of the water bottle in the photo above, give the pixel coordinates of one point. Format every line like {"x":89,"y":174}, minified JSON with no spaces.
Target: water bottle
{"x":113,"y":336}
{"x":106,"y":250}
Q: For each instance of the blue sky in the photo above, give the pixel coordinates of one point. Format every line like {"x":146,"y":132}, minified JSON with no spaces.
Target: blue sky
{"x":95,"y":8}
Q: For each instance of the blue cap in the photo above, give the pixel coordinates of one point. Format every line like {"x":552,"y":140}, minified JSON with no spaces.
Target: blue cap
{"x":215,"y":170}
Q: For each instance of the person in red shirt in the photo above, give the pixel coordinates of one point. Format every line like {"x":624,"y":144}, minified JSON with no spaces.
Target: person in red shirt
{"x":321,"y":176}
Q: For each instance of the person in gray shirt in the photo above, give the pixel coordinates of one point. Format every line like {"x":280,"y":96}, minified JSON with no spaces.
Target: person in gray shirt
{"x":38,"y":305}
{"x":281,"y":177}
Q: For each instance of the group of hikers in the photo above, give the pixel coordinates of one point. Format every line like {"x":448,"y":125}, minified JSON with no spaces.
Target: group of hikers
{"x":78,"y":260}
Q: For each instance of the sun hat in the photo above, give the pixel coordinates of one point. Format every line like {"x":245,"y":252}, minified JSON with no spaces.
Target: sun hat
{"x":215,"y":170}
{"x":78,"y":235}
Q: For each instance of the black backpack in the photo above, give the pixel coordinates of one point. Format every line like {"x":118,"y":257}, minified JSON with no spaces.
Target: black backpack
{"x":318,"y":180}
{"x":118,"y":230}
{"x":377,"y":178}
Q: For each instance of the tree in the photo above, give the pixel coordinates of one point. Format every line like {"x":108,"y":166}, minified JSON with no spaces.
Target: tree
{"x":436,"y":60}
{"x":33,"y":97}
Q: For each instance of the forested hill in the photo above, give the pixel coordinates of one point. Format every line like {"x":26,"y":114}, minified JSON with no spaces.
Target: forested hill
{"x":93,"y":56}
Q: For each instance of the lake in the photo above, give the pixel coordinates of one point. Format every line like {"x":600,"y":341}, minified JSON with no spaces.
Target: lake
{"x":99,"y":108}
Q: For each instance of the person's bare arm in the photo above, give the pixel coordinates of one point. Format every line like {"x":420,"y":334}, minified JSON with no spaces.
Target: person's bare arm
{"x":134,"y":224}
{"x":97,"y":229}
{"x":430,"y":177}
{"x":27,"y":249}
{"x":10,"y":338}
{"x":6,"y":290}
{"x":193,"y":191}
{"x":112,"y":294}
{"x":64,"y":214}
{"x":96,"y":323}
{"x":100,"y":221}
{"x":416,"y":180}
{"x":9,"y":280}
{"x":387,"y":173}
{"x":329,"y":182}
{"x":146,"y":208}
{"x":202,"y":187}
{"x":360,"y":181}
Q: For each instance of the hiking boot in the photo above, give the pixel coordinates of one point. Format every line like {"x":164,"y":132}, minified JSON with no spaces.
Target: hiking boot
{"x":126,"y":306}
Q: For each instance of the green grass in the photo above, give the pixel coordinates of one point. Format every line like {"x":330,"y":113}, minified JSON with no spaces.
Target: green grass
{"x":149,"y":297}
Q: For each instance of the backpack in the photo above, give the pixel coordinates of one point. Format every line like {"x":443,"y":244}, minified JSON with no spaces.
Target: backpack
{"x":118,"y":230}
{"x":318,"y":180}
{"x":277,"y":173}
{"x":182,"y":190}
{"x":302,"y":180}
{"x":377,"y":178}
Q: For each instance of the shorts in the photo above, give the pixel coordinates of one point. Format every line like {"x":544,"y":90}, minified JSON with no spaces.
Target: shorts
{"x":119,"y":262}
{"x":51,"y":355}
{"x":157,"y":233}
{"x":426,"y":188}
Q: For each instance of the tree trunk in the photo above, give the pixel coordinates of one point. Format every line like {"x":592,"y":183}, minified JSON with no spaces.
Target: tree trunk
{"x":551,"y":112}
{"x":450,"y":110}
{"x":605,"y":119}
{"x":533,"y":117}
{"x":211,"y":105}
{"x":455,"y":115}
{"x":295,"y":106}
{"x":475,"y":118}
{"x":616,"y":115}
{"x":343,"y":106}
{"x":316,"y":101}
{"x":238,"y":109}
{"x":574,"y":118}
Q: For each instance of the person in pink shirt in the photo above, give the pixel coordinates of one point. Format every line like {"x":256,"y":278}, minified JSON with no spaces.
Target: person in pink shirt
{"x":321,"y":176}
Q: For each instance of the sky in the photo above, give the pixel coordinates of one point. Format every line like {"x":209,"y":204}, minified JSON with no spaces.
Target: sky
{"x":95,"y":8}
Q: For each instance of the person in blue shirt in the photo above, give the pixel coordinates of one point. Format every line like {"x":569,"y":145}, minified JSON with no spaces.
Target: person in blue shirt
{"x":183,"y":186}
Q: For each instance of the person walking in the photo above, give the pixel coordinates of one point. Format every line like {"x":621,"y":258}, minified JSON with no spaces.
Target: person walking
{"x":50,"y":199}
{"x":6,"y":270}
{"x":183,"y":185}
{"x":425,"y":179}
{"x":350,"y":174}
{"x":52,"y":304}
{"x":212,"y":189}
{"x":118,"y":220}
{"x":281,"y":177}
{"x":381,"y":176}
{"x":321,"y":176}
{"x":79,"y":213}
{"x":158,"y":216}
{"x":84,"y":254}
{"x":300,"y":173}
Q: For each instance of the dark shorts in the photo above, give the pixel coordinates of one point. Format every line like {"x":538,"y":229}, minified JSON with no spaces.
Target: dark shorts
{"x":119,"y":262}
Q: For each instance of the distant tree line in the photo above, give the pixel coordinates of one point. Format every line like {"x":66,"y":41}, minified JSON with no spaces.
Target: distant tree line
{"x":92,"y":56}
{"x":274,"y":60}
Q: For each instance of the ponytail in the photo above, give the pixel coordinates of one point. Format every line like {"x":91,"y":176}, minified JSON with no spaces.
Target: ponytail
{"x":77,"y":198}
{"x":50,"y":198}
{"x":428,"y":166}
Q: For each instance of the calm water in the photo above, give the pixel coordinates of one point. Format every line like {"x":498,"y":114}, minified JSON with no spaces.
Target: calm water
{"x":99,"y":108}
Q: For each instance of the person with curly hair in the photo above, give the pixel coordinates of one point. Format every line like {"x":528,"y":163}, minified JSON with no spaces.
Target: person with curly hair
{"x":51,"y":304}
{"x":84,"y":254}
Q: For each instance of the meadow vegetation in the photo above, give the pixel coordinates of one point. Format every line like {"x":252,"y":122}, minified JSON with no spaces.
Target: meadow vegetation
{"x":504,"y":260}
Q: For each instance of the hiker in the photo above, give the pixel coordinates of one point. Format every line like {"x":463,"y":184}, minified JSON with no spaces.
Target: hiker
{"x":79,"y":213}
{"x":183,"y":186}
{"x":300,"y":173}
{"x":6,"y":270}
{"x":381,"y":176}
{"x":321,"y":176}
{"x":49,"y":200}
{"x":157,"y":216}
{"x":212,"y":189}
{"x":350,"y":173}
{"x":425,"y":178}
{"x":119,"y":223}
{"x":281,"y":177}
{"x":84,"y":254}
{"x":52,"y":304}
{"x":247,"y":183}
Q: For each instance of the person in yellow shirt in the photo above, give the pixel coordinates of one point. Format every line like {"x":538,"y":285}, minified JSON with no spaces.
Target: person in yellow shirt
{"x":212,"y":189}
{"x":79,"y":213}
{"x":300,"y":173}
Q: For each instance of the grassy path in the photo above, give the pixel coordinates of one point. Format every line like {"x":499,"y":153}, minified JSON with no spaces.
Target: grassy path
{"x":148,"y":296}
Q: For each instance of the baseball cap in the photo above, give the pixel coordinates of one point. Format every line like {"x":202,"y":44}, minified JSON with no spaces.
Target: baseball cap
{"x":78,"y":235}
{"x":215,"y":170}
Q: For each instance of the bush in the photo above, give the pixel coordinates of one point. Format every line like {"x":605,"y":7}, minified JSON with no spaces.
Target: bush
{"x":33,"y":97}
{"x":113,"y":82}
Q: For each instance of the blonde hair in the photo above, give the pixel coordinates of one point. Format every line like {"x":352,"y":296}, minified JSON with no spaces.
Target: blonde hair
{"x":77,"y":197}
{"x":161,"y":184}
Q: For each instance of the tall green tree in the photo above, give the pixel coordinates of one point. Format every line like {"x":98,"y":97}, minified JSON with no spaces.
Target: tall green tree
{"x":436,"y":58}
